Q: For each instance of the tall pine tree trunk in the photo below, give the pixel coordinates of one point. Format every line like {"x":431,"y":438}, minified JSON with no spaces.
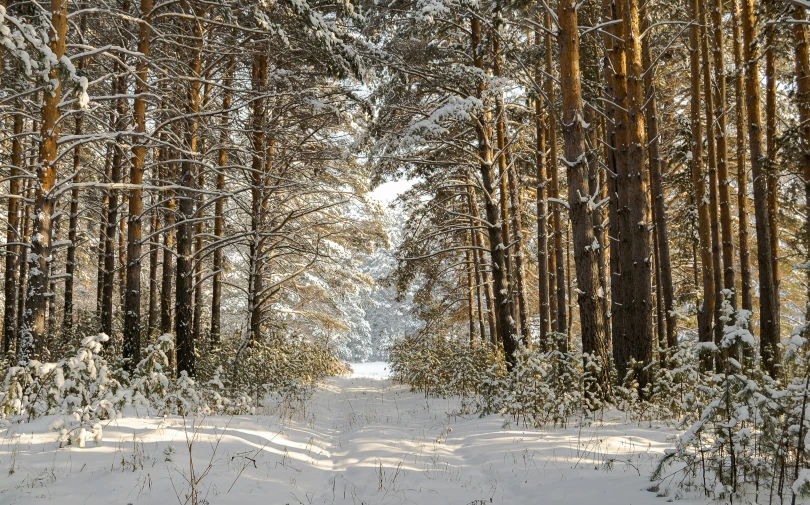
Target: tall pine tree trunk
{"x":769,"y":300}
{"x":590,"y":308}
{"x":706,"y":311}
{"x":497,"y":253}
{"x":73,"y":223}
{"x":663,"y":260}
{"x":32,"y":337}
{"x":557,"y":306}
{"x":802,"y":61}
{"x":14,"y":238}
{"x":132,"y":299}
{"x":638,"y":222}
{"x":257,"y":174}
{"x":714,"y":214}
{"x":771,"y":166}
{"x":746,"y":301}
{"x":166,"y":267}
{"x":219,"y":209}
{"x":724,"y":196}
{"x":184,"y":271}
{"x":542,"y":211}
{"x":107,"y":296}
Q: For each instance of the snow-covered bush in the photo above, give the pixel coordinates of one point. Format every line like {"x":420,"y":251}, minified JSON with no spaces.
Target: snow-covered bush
{"x":441,"y":367}
{"x":543,"y":387}
{"x":744,"y":431}
{"x":79,"y":388}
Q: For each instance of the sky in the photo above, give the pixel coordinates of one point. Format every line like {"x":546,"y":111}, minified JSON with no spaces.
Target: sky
{"x":387,"y":192}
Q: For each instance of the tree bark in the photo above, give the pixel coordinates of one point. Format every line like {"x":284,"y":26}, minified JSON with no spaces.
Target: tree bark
{"x":769,"y":301}
{"x":502,"y":143}
{"x":663,"y":259}
{"x":166,"y":267}
{"x":485,"y":155}
{"x":110,"y":235}
{"x":478,"y":239}
{"x":746,"y":301}
{"x":14,"y":237}
{"x":257,"y":173}
{"x":714,"y":215}
{"x":590,"y":308}
{"x":32,"y":337}
{"x":802,"y":61}
{"x":706,"y":312}
{"x":73,"y":223}
{"x":771,"y":166}
{"x":542,"y":212}
{"x":132,"y":301}
{"x":637,"y":223}
{"x":557,"y":308}
{"x":726,"y":230}
{"x":154,"y":302}
{"x":184,"y":271}
{"x":219,"y":209}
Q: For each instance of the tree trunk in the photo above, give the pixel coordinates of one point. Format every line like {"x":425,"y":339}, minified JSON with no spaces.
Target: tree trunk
{"x":478,"y":239}
{"x":184,"y":271}
{"x":219,"y":209}
{"x":802,"y":57}
{"x":590,"y":308}
{"x":771,"y":166}
{"x":32,"y":337}
{"x":726,"y":230}
{"x":112,"y":217}
{"x":746,"y":301}
{"x":102,"y":234}
{"x":154,"y":302}
{"x":637,"y":222}
{"x":714,"y":216}
{"x":485,"y":155}
{"x":22,"y":288}
{"x":198,"y":255}
{"x":542,"y":212}
{"x":503,"y":193}
{"x":620,"y":281}
{"x":132,"y":301}
{"x":73,"y":224}
{"x":14,"y":238}
{"x":659,"y":204}
{"x":557,"y":310}
{"x":166,"y":267}
{"x":698,"y":181}
{"x":258,"y":167}
{"x":769,"y":301}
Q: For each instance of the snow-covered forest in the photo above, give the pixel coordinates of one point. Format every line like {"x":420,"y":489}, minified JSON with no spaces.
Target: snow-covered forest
{"x":572,"y":238}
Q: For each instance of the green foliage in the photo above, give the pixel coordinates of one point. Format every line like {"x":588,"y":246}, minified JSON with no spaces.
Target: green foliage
{"x":442,"y":367}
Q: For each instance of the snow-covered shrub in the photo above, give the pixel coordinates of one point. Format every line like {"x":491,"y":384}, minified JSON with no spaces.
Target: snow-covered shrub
{"x":441,"y":367}
{"x":80,"y":388}
{"x":740,"y":438}
{"x":542,"y":387}
{"x":285,"y":366}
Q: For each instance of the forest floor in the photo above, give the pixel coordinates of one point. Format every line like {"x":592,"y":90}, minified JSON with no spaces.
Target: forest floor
{"x":358,"y":440}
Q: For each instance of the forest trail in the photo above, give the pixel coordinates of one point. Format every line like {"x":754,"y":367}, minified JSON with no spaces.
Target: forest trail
{"x":358,"y":440}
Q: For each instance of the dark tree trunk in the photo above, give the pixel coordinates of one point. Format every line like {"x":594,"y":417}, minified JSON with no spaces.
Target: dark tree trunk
{"x":769,"y":299}
{"x":590,"y":308}
{"x":14,"y":238}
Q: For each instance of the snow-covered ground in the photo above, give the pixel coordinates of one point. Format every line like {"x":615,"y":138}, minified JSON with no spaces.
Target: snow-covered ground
{"x":359,"y":440}
{"x":370,"y":370}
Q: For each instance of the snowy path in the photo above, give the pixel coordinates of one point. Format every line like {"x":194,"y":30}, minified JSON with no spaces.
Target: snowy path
{"x":359,"y":441}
